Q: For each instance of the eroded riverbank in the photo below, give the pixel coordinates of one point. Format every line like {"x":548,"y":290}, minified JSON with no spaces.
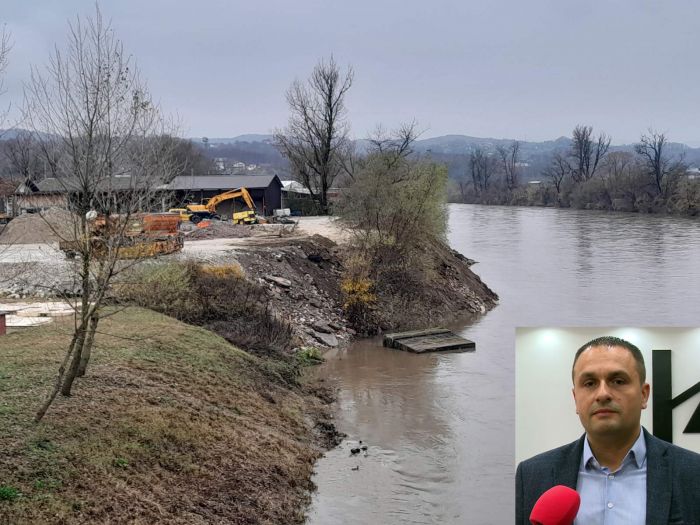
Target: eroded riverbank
{"x":299,"y":277}
{"x":440,"y":428}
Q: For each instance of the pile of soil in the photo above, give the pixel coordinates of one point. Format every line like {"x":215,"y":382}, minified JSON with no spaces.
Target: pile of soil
{"x":220,"y":230}
{"x":52,"y":225}
{"x":302,"y":283}
{"x":437,"y":288}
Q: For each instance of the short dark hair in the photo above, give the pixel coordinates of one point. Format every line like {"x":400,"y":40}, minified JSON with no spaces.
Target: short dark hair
{"x":608,"y":340}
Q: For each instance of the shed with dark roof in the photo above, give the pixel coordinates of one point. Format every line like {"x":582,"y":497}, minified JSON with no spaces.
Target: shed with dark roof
{"x":50,"y":192}
{"x":266,"y":191}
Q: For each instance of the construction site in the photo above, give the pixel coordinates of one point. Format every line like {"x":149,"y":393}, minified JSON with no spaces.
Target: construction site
{"x":196,"y":406}
{"x":36,"y":262}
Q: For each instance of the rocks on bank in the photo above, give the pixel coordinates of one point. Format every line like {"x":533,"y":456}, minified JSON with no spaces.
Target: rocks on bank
{"x":303,"y":284}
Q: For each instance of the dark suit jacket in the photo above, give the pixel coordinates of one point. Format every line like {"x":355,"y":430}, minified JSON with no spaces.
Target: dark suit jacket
{"x":673,"y":481}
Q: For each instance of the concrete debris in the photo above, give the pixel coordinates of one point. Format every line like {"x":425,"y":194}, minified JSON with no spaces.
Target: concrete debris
{"x":17,"y":321}
{"x":22,"y":315}
{"x":48,"y":309}
{"x":316,"y":303}
{"x":217,"y":230}
{"x":327,"y":339}
{"x":281,"y":281}
{"x":322,"y":327}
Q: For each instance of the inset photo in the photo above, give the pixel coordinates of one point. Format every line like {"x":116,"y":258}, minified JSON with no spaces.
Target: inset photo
{"x":608,"y":424}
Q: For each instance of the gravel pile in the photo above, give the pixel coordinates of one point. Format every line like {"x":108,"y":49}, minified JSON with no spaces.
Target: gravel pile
{"x":220,"y":230}
{"x":31,"y":228}
{"x":50,"y":279}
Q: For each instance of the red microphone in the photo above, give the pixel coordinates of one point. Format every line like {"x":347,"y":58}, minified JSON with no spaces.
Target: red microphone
{"x":558,"y":506}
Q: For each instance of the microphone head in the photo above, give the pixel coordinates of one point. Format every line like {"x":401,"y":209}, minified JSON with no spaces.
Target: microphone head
{"x":558,"y":506}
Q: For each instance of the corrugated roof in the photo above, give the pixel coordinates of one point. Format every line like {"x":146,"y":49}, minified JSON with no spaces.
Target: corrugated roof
{"x":222,"y":182}
{"x":294,"y":186}
{"x":206,"y":182}
{"x":70,"y":184}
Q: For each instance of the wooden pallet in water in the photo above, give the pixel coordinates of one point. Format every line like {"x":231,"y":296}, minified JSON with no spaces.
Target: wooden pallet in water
{"x":431,"y":340}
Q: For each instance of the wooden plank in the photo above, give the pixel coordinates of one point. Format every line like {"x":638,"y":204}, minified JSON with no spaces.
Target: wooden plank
{"x":434,"y":340}
{"x":397,"y":336}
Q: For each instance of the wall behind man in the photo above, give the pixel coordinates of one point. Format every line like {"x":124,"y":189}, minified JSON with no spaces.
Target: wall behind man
{"x":545,"y":411}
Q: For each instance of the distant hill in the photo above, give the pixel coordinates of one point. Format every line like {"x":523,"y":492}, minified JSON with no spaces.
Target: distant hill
{"x":9,"y":134}
{"x":464,"y":144}
{"x":452,"y":150}
{"x":250,"y":137}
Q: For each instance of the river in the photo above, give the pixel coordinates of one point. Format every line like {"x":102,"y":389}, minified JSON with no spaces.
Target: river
{"x":440,"y":427}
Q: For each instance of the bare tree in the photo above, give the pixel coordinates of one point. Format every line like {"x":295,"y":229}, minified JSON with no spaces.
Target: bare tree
{"x":618,"y":163}
{"x":661,"y":167}
{"x":587,"y":152}
{"x":396,"y":145}
{"x":25,"y":162}
{"x":4,"y":53}
{"x":94,"y":121}
{"x":395,"y":200}
{"x":316,"y":140}
{"x":5,"y":47}
{"x":557,"y":171}
{"x":482,"y":166}
{"x":509,"y":158}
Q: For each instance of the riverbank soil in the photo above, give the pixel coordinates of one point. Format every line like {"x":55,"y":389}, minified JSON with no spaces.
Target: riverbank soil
{"x":439,"y":289}
{"x":176,"y":425}
{"x":172,"y":425}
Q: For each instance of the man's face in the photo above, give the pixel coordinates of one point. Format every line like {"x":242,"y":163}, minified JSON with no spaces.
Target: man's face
{"x":608,"y":393}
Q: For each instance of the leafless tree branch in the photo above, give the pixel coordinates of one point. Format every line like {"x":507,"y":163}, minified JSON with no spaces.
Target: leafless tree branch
{"x":316,"y":140}
{"x":102,"y":135}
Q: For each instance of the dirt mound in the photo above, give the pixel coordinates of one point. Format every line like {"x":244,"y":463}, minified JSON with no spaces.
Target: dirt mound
{"x":220,"y":230}
{"x":51,"y":225}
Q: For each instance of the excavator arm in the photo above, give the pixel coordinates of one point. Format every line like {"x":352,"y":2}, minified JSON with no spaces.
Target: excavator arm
{"x":227,"y":195}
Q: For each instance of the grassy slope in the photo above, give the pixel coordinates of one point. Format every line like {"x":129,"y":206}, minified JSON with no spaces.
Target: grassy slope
{"x":170,"y":425}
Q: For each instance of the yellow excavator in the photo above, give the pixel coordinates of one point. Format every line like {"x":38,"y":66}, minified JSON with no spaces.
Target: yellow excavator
{"x":207,"y":210}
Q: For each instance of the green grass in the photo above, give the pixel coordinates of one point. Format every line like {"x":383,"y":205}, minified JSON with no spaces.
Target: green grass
{"x":167,"y":425}
{"x":8,"y":493}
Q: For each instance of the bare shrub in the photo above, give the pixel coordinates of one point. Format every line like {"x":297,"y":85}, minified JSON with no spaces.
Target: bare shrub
{"x":395,"y":207}
{"x":220,"y":299}
{"x":592,"y":194}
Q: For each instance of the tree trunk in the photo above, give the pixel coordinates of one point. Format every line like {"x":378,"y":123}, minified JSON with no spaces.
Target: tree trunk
{"x":75,"y":362}
{"x":87,"y":347}
{"x":85,"y":316}
{"x":59,"y":379}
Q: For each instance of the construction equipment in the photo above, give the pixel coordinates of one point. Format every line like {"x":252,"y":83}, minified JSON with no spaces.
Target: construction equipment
{"x":193,"y":214}
{"x":143,"y":235}
{"x":242,"y":217}
{"x":207,"y":210}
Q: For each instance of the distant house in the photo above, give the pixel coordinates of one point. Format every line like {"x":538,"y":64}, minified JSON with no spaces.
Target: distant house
{"x":693,"y":173}
{"x":7,"y":201}
{"x":52,"y":192}
{"x":266,"y":191}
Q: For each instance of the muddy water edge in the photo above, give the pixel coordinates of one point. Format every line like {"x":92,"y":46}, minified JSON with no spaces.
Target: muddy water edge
{"x":439,"y":428}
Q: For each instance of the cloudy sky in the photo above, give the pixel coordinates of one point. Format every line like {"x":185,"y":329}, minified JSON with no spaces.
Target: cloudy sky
{"x":529,"y":70}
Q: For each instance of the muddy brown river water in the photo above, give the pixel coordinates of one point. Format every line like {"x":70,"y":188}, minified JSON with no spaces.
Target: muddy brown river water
{"x":440,"y":427}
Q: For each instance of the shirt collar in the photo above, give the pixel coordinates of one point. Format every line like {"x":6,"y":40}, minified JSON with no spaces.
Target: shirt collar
{"x":638,"y":452}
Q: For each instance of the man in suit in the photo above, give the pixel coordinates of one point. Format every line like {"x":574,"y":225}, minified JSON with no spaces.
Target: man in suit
{"x":623,"y":474}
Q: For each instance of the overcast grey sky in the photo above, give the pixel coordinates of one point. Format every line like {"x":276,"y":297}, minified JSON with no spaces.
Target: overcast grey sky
{"x":529,"y":70}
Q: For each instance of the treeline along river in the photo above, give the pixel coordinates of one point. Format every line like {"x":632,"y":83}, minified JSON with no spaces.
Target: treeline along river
{"x":440,"y":428}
